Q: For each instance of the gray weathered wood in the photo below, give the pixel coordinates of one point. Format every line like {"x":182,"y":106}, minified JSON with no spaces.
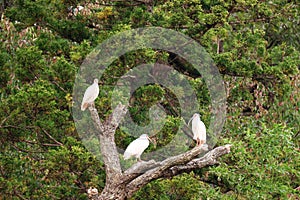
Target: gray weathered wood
{"x":122,"y":185}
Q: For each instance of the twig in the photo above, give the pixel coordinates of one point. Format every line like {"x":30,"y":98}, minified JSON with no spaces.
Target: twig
{"x":52,"y":138}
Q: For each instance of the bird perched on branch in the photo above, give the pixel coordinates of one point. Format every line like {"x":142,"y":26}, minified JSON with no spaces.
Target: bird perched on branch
{"x":90,"y":95}
{"x":137,"y":147}
{"x":198,"y":128}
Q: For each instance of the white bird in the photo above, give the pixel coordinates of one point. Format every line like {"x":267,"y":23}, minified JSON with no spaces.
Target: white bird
{"x":92,"y":191}
{"x":137,"y":147}
{"x":90,"y":95}
{"x":198,"y":128}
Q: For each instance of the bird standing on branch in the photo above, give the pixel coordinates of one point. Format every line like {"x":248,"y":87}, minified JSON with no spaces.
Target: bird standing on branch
{"x":90,"y":95}
{"x":198,"y":128}
{"x":137,"y":147}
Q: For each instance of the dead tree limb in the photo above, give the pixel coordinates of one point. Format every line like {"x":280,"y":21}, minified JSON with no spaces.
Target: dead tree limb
{"x":208,"y":159}
{"x":107,"y":142}
{"x":122,"y":185}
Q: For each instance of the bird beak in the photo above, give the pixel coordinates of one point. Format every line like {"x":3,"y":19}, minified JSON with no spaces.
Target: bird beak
{"x":152,"y":141}
{"x":190,"y":120}
{"x":149,"y":139}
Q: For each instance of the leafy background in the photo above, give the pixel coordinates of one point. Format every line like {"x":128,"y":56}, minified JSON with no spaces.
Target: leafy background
{"x":255,"y":45}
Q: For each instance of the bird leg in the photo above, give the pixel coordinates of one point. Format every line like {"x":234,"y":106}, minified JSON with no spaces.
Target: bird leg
{"x":93,"y":104}
{"x":202,"y":142}
{"x":198,"y":142}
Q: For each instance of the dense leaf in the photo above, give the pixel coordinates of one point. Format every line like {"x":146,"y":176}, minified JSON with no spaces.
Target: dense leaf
{"x":254,"y":44}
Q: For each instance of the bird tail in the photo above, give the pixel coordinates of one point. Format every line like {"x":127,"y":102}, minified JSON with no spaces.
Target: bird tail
{"x":84,"y":106}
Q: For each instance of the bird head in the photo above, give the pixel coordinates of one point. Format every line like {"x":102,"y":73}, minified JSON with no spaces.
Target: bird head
{"x":145,"y":136}
{"x":194,"y":115}
{"x":96,"y":81}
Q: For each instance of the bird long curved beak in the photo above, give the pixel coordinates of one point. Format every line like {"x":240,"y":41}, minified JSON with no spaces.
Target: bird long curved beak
{"x":190,"y":120}
{"x":152,"y":141}
{"x":149,"y":139}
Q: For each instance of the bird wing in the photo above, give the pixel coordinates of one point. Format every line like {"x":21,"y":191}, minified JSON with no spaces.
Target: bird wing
{"x":90,"y":95}
{"x":136,"y":148}
{"x":199,"y":130}
{"x":203,"y":131}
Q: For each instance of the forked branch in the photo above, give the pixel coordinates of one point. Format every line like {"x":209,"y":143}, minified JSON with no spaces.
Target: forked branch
{"x":122,"y":185}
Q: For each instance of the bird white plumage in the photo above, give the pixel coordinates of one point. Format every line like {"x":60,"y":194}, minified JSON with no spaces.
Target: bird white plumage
{"x":137,"y":147}
{"x":91,"y":93}
{"x":92,"y":191}
{"x":199,"y":129}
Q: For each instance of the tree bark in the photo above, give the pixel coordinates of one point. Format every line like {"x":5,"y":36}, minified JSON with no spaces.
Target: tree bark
{"x":122,"y":185}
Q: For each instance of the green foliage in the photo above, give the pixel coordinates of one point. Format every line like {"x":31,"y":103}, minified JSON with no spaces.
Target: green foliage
{"x":143,"y":103}
{"x":4,"y":76}
{"x":30,"y":63}
{"x":73,"y":30}
{"x":59,"y":173}
{"x":265,"y":161}
{"x":185,"y":186}
{"x":78,"y":53}
{"x":50,"y":44}
{"x":254,"y":44}
{"x":63,"y":72}
{"x":262,"y":165}
{"x":48,"y":14}
{"x":34,"y":108}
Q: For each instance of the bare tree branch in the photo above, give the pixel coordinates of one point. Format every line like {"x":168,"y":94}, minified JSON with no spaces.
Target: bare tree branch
{"x":117,"y":115}
{"x":122,"y":185}
{"x":52,"y":138}
{"x":137,"y":169}
{"x":107,"y":141}
{"x":209,"y":158}
{"x":96,"y":119}
{"x":164,"y":165}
